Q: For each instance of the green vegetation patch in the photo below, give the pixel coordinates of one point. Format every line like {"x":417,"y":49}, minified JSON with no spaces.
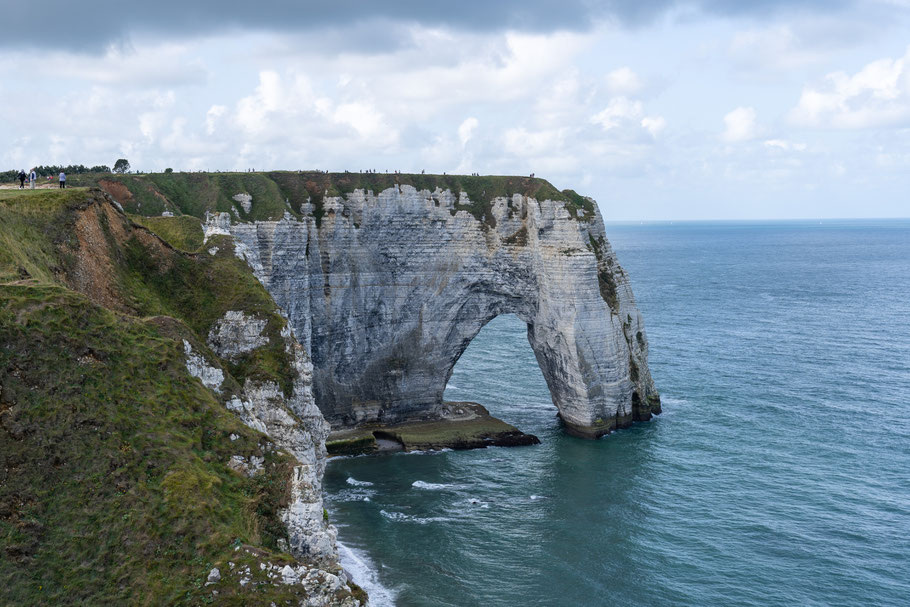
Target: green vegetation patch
{"x":199,"y":289}
{"x":519,"y":238}
{"x":580,"y":206}
{"x":605,"y":278}
{"x":351,"y":446}
{"x":33,"y":224}
{"x":40,"y":240}
{"x":136,"y":193}
{"x":114,"y":483}
{"x":470,"y":427}
{"x":184,"y":232}
{"x":197,"y":193}
{"x":461,"y":434}
{"x":114,"y":487}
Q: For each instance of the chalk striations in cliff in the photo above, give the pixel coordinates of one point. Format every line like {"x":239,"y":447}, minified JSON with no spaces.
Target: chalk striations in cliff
{"x":388,"y":288}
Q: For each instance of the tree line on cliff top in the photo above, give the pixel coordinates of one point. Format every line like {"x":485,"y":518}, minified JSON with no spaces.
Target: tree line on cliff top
{"x":54,"y":170}
{"x":121,"y":166}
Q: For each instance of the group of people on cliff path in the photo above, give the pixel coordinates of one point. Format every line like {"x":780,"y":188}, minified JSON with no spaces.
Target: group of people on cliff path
{"x":33,"y":179}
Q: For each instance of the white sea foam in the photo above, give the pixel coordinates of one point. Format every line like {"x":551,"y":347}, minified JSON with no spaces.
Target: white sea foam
{"x":672,"y":401}
{"x":356,"y":494}
{"x":420,"y":520}
{"x":429,"y":486}
{"x":394,"y":516}
{"x":426,"y":452}
{"x":357,"y":483}
{"x":671,"y":406}
{"x":364,"y":574}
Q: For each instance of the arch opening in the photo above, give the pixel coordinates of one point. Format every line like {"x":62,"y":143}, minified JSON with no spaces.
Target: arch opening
{"x":499,"y":370}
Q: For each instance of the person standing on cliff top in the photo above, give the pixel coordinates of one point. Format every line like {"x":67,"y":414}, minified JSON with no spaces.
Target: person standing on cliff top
{"x":62,"y":180}
{"x":21,"y":177}
{"x":32,"y":178}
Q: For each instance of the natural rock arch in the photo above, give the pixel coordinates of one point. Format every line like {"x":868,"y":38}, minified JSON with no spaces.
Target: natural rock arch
{"x":388,"y":290}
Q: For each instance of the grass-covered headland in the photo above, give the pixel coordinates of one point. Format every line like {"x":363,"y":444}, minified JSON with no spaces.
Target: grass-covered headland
{"x":114,"y":479}
{"x":277,"y":192}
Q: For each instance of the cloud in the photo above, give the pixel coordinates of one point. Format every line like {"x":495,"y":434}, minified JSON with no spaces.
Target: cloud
{"x":465,"y":133}
{"x":158,"y":64}
{"x":786,"y":146}
{"x":877,"y":95}
{"x":307,"y":110}
{"x":623,"y":112}
{"x":653,"y":125}
{"x":777,"y":47}
{"x":466,"y":130}
{"x":618,"y":111}
{"x":523,"y":142}
{"x":212,"y":116}
{"x":287,"y":108}
{"x":623,"y":81}
{"x":740,"y":125}
{"x":99,"y":23}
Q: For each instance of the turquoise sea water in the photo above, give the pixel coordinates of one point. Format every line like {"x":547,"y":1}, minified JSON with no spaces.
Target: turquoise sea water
{"x":779,"y":473}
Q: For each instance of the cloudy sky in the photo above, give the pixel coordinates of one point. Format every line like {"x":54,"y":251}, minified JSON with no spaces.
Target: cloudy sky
{"x":659,"y":109}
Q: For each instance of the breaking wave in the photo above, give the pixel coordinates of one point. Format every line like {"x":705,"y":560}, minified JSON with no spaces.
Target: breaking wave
{"x":420,"y":520}
{"x":429,"y":486}
{"x":364,"y":574}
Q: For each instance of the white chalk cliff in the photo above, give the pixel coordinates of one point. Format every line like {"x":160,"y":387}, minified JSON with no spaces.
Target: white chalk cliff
{"x":386,"y":290}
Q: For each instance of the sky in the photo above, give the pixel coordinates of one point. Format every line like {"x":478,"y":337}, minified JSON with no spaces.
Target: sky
{"x":658,"y":109}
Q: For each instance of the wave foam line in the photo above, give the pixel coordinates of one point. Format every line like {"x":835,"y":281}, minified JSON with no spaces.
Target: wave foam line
{"x":364,"y":574}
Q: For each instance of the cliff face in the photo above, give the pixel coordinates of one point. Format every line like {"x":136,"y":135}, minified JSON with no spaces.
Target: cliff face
{"x":387,"y":289}
{"x":387,"y":278}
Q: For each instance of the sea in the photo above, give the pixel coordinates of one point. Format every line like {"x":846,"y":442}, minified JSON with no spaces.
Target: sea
{"x":778,"y":473}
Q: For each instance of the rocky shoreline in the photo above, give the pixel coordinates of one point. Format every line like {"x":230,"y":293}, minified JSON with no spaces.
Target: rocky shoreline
{"x":464,"y":425}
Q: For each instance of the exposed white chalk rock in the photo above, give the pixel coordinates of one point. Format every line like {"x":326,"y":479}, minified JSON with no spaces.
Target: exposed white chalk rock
{"x":245,"y":200}
{"x":211,"y":377}
{"x":237,"y":333}
{"x":390,"y":288}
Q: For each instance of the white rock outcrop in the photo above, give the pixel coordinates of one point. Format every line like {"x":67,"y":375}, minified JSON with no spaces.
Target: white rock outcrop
{"x":236,"y":334}
{"x":387,"y":290}
{"x":197,"y":366}
{"x":292,"y":421}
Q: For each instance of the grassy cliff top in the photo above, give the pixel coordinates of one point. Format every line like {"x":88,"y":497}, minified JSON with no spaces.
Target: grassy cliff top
{"x":275,"y":192}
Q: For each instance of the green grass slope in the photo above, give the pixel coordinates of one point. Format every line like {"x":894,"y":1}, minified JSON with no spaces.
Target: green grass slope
{"x":76,"y":238}
{"x":114,"y":483}
{"x":114,"y":487}
{"x":183,"y":232}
